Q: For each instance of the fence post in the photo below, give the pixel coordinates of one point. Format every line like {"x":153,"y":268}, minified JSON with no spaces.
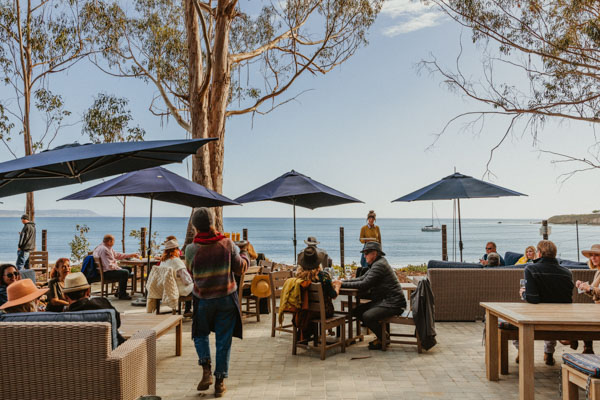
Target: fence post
{"x":143,"y":233}
{"x":444,"y":243}
{"x":577,"y":229}
{"x":44,"y":240}
{"x":342,"y":247}
{"x":245,"y":234}
{"x":544,"y":230}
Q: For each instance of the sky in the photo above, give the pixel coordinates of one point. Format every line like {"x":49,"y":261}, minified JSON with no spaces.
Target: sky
{"x":367,"y":129}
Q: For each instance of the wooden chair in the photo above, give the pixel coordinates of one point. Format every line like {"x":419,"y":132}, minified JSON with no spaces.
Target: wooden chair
{"x":105,"y":281}
{"x":267,"y":265}
{"x":276,"y":280}
{"x":585,"y":376}
{"x":316,"y":305}
{"x":405,"y":319}
{"x":38,"y":262}
{"x":182,"y":300}
{"x":247,"y":299}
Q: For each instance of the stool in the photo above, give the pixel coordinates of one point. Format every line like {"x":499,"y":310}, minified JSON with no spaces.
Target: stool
{"x":580,"y":371}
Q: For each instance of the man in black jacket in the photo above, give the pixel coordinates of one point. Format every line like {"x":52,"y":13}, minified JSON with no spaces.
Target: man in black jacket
{"x":26,"y":242}
{"x":385,"y":292}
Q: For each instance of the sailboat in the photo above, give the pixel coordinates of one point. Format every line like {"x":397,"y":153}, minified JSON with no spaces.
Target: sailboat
{"x":431,"y":228}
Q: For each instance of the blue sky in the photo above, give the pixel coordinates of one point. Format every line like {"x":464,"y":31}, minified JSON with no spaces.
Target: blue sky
{"x":364,"y":129}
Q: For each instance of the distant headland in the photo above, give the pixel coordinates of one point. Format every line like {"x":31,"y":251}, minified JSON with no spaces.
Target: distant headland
{"x":583,"y":219}
{"x":51,"y":213}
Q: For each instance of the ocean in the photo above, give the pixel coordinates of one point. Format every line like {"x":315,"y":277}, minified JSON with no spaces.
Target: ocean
{"x":403,"y":241}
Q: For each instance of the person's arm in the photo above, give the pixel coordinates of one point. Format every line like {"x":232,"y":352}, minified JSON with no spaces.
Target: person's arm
{"x":21,"y":239}
{"x":531,"y":291}
{"x":52,"y":296}
{"x":363,"y":232}
{"x":378,"y":235}
{"x":367,"y":281}
{"x":239,"y":262}
{"x":327,"y":286}
{"x":108,"y":260}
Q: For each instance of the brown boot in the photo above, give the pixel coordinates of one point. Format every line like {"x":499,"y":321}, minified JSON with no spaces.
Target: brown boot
{"x":549,"y":358}
{"x":206,"y":378}
{"x":220,"y":388}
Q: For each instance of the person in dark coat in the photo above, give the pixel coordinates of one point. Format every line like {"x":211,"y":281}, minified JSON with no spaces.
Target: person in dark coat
{"x":383,"y":288}
{"x":26,"y":242}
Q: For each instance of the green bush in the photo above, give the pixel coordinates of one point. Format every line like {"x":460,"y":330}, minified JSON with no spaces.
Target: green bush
{"x":80,"y":246}
{"x":414,"y":269}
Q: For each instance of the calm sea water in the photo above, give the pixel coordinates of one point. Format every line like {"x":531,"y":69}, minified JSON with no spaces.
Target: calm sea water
{"x":403,"y":240}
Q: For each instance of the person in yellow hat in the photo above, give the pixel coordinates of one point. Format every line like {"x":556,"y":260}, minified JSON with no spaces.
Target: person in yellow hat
{"x":23,"y":296}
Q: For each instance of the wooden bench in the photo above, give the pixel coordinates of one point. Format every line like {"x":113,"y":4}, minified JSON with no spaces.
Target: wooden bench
{"x":506,"y":334}
{"x":161,"y":324}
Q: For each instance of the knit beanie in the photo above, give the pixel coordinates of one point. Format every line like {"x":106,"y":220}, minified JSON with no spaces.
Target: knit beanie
{"x":202,"y":219}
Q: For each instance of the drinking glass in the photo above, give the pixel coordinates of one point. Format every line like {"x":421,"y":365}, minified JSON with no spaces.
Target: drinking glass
{"x":348,"y":273}
{"x":522,"y":284}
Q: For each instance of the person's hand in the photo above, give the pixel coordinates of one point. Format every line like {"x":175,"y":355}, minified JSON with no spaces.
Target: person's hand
{"x":584,"y":286}
{"x":337,"y":284}
{"x":577,"y":283}
{"x":483,"y":262}
{"x":521,"y":291}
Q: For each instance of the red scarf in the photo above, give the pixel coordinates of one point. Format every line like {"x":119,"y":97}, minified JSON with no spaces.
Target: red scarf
{"x":208,"y":237}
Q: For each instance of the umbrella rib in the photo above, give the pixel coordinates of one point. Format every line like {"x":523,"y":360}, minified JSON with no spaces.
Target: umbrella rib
{"x":72,"y":169}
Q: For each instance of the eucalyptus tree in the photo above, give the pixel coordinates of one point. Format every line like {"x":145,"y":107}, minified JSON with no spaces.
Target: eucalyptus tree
{"x":548,"y":53}
{"x":37,"y":40}
{"x":213,"y":59}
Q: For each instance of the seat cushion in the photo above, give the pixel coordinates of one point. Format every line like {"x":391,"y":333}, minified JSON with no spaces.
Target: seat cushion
{"x":502,"y":324}
{"x":589,"y":364}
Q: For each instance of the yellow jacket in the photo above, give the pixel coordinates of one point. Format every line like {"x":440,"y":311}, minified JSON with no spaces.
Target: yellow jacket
{"x":290,"y":296}
{"x":366,"y":232}
{"x":522,"y":260}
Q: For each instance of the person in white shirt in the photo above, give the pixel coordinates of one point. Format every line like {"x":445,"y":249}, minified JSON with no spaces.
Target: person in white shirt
{"x":110,"y":264}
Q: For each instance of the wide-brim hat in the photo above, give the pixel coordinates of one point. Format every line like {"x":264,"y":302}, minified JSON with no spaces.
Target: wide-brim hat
{"x":171,"y":244}
{"x":21,"y":292}
{"x":594,"y":250}
{"x":311,"y":241}
{"x":369,"y":246}
{"x":310,"y":259}
{"x":260,"y":286}
{"x":75,"y":282}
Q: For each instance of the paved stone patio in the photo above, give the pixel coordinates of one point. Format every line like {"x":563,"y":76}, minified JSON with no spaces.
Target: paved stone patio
{"x":262,"y":367}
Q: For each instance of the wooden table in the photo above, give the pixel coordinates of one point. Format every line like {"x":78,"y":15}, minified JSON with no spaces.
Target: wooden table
{"x":350,"y":337}
{"x":409,"y":287}
{"x":529,"y":318}
{"x":161,"y":324}
{"x":141,"y":264}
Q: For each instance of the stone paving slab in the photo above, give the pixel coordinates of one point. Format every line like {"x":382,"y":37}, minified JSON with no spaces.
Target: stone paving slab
{"x":262,"y":367}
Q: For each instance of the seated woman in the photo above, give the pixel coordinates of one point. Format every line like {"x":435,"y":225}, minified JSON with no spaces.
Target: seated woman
{"x":8,"y":275}
{"x":185,"y":284}
{"x":23,"y":296}
{"x":592,"y":290}
{"x":56,"y":298}
{"x":528,"y":257}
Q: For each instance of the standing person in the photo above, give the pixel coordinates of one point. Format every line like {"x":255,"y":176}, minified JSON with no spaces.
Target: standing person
{"x":8,"y":275}
{"x":110,"y":265}
{"x":368,"y":233}
{"x":490,"y":247}
{"x":547,"y":282}
{"x":382,"y":284}
{"x":213,"y":260}
{"x":56,"y":298}
{"x":26,"y":242}
{"x":593,"y":289}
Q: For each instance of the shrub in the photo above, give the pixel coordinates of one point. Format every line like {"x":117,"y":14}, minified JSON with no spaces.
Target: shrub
{"x":80,"y":246}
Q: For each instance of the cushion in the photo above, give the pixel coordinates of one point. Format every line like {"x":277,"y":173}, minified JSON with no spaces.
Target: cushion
{"x":573,"y":264}
{"x":511,"y":258}
{"x":451,"y":264}
{"x":589,"y":364}
{"x":74,"y":316}
{"x":502,"y":324}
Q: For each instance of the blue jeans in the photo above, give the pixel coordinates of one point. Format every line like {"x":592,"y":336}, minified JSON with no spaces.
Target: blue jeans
{"x":22,"y":259}
{"x":220,"y":313}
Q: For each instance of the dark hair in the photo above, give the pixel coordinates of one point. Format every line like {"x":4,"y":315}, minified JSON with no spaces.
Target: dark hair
{"x":59,"y":263}
{"x":3,"y":268}
{"x":77,"y":295}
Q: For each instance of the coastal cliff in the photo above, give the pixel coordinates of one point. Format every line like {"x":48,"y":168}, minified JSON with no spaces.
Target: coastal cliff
{"x":583,"y":219}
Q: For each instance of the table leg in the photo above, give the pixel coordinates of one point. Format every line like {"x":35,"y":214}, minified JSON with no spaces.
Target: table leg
{"x":491,"y":346}
{"x":526,"y":358}
{"x":142,"y":268}
{"x":134,"y":280}
{"x":350,"y":309}
{"x":178,"y":337}
{"x":358,"y":323}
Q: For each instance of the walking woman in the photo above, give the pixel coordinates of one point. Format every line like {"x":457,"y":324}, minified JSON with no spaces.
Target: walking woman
{"x":368,"y":233}
{"x":213,"y":260}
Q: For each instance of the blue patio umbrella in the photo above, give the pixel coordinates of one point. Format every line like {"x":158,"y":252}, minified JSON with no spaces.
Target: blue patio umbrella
{"x":77,"y":163}
{"x":155,"y":184}
{"x":458,"y":186}
{"x":298,"y":190}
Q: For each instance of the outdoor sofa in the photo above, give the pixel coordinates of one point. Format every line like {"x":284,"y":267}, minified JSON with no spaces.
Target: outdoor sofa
{"x":460,"y":287}
{"x":73,"y":355}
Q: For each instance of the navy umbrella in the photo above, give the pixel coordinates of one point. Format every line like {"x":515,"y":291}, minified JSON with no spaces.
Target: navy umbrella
{"x":77,"y":163}
{"x":155,"y":184}
{"x":298,"y":190}
{"x":458,"y":186}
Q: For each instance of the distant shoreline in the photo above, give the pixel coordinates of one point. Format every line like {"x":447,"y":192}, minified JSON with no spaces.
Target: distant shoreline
{"x":571,"y":219}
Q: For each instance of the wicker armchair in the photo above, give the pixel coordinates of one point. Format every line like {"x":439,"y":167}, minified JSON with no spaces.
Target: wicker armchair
{"x":74,"y":360}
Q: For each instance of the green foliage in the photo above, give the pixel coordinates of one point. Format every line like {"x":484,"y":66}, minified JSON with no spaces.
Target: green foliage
{"x":153,"y":243}
{"x":595,"y":211}
{"x":80,"y":246}
{"x":414,"y":269}
{"x":107,"y":120}
{"x":51,"y":107}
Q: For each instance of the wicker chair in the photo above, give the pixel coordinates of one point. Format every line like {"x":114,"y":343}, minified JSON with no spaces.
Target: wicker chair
{"x":125,"y":373}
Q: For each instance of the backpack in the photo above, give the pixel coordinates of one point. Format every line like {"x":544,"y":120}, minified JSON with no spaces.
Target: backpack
{"x":90,"y":270}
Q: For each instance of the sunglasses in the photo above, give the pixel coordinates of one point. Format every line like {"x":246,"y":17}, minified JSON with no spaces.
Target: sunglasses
{"x":11,"y":275}
{"x":489,"y":248}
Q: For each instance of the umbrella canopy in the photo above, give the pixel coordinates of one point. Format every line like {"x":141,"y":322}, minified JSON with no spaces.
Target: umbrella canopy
{"x":458,"y":186}
{"x":298,"y":190}
{"x":77,"y":163}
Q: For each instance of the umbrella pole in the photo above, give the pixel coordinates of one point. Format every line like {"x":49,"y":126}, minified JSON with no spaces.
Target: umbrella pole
{"x":295,"y":252}
{"x":150,"y":233}
{"x":460,"y":243}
